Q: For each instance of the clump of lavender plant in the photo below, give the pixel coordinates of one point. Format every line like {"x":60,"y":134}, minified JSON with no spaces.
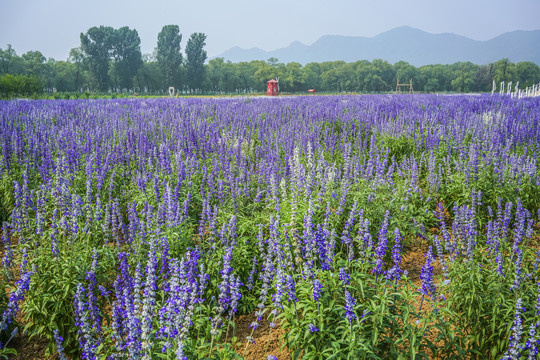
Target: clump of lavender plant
{"x":350,"y":303}
{"x":426,"y":275}
{"x":395,"y":272}
{"x":344,"y":277}
{"x":517,"y":330}
{"x":23,"y":284}
{"x":382,"y":246}
{"x":59,"y":347}
{"x":532,"y":342}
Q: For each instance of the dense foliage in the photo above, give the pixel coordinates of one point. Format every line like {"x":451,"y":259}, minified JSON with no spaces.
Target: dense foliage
{"x":20,"y":85}
{"x":110,"y":60}
{"x":143,"y":228}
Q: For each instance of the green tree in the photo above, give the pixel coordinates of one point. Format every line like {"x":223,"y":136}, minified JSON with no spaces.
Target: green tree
{"x":150,"y":77}
{"x":464,"y":75}
{"x":96,"y":45}
{"x":330,"y":76}
{"x":404,"y":73}
{"x":34,"y":62}
{"x":244,"y":73}
{"x":169,"y":57}
{"x":222,"y":76}
{"x":331,"y":80}
{"x":195,"y":58}
{"x":66,"y":76}
{"x":345,"y":77}
{"x":215,"y":73}
{"x":313,"y":73}
{"x":19,"y":85}
{"x":364,"y":74}
{"x":50,"y":74}
{"x":6,"y":59}
{"x":230,"y":77}
{"x":126,"y":50}
{"x":503,"y":70}
{"x":266,"y":70}
{"x":76,"y":56}
{"x":294,"y":78}
{"x":527,"y":73}
{"x":484,"y":78}
{"x":384,"y":75}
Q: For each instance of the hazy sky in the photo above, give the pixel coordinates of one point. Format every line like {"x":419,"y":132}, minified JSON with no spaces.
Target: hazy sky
{"x":54,"y":26}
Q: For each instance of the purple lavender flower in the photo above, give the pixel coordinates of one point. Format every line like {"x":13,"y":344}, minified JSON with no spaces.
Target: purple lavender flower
{"x":93,"y":308}
{"x":252,"y":274}
{"x":266,"y":277}
{"x":317,"y":290}
{"x":132,"y":321}
{"x":117,"y":323}
{"x":291,"y":289}
{"x":224,"y":286}
{"x":312,"y":328}
{"x":59,"y":348}
{"x":149,"y":297}
{"x":280,"y":283}
{"x":180,"y":352}
{"x":236,"y":295}
{"x":346,"y":237}
{"x":350,"y":303}
{"x":500,"y":262}
{"x":440,"y":255}
{"x":23,"y":284}
{"x":344,"y":276}
{"x":532,"y":342}
{"x":426,"y":275}
{"x":86,"y":335}
{"x":513,"y":351}
{"x":382,"y":245}
{"x":395,"y":272}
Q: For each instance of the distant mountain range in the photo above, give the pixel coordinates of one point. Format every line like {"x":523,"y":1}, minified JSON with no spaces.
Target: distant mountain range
{"x":403,"y":43}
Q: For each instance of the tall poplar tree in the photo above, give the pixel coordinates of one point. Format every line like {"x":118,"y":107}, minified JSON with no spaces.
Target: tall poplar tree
{"x":195,"y":58}
{"x":168,"y":54}
{"x":96,"y":45}
{"x":126,"y":50}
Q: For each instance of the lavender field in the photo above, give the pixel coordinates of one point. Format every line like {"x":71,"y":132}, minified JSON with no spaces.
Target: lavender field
{"x":146,"y":228}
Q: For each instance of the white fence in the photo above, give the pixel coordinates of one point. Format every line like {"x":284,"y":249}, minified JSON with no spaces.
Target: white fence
{"x":530,"y":91}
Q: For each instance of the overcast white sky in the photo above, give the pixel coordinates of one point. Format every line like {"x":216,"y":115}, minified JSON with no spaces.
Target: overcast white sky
{"x":54,"y":26}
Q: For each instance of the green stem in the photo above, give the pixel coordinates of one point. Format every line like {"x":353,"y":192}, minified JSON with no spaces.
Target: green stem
{"x":268,"y":340}
{"x":211,"y":344}
{"x":248,"y":341}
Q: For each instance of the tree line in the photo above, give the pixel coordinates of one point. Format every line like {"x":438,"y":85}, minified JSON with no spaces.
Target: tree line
{"x":110,"y":60}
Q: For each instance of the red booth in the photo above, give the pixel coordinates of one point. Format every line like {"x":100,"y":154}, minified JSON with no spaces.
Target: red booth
{"x":272,"y":88}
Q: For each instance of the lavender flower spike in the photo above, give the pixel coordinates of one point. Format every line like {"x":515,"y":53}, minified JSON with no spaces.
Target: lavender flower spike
{"x":58,"y":339}
{"x":513,"y":352}
{"x":350,"y":302}
{"x":317,"y":290}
